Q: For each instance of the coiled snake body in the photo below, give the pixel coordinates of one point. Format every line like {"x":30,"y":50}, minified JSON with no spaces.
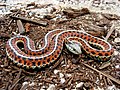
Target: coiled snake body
{"x":52,"y":47}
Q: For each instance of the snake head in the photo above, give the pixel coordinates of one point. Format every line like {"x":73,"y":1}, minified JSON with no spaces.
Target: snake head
{"x":73,"y":46}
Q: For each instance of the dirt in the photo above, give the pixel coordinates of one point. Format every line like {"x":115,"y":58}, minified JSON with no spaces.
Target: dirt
{"x":68,"y":71}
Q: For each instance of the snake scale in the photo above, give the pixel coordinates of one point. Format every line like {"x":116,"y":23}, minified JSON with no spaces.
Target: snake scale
{"x":52,"y":48}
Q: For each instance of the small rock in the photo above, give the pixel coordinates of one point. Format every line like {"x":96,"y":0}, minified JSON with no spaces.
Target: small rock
{"x":27,"y":27}
{"x":111,"y":16}
{"x":25,"y":83}
{"x":104,"y":65}
{"x":116,"y":52}
{"x":117,"y":66}
{"x":14,"y":33}
{"x":32,"y":84}
{"x":87,"y":85}
{"x":68,"y":75}
{"x":43,"y":88}
{"x":51,"y":87}
{"x":61,"y":75}
{"x":111,"y":87}
{"x":31,"y":4}
{"x":20,"y":27}
{"x":98,"y":88}
{"x":79,"y":85}
{"x":56,"y":71}
{"x":72,"y":13}
{"x":117,"y":40}
{"x":49,"y":16}
{"x":4,"y":35}
{"x":62,"y":80}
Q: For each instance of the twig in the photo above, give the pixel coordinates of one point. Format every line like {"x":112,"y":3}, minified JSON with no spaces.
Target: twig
{"x":16,"y":80}
{"x":106,"y":75}
{"x":7,"y":84}
{"x":111,"y":30}
{"x":24,"y":87}
{"x":12,"y":19}
{"x":3,"y":4}
{"x":44,"y":24}
{"x":56,"y":63}
{"x":18,"y":75}
{"x":20,"y":27}
{"x":11,"y":88}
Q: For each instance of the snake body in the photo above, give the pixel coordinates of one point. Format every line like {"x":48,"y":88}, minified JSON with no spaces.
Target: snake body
{"x":52,"y":48}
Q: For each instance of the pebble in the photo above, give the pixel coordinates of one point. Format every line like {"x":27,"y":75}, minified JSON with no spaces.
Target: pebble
{"x":51,"y":87}
{"x":116,"y":52}
{"x":68,"y":75}
{"x":61,"y":75}
{"x":43,"y":88}
{"x":25,"y":83}
{"x":98,"y":88}
{"x":32,"y":84}
{"x":62,"y":80}
{"x":79,"y":85}
{"x":104,"y":65}
{"x":56,"y":71}
{"x":112,"y":88}
{"x":20,"y":27}
{"x":117,"y":66}
{"x":117,"y":40}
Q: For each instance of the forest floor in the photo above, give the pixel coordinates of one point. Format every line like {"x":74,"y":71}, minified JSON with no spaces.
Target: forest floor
{"x":70,"y":71}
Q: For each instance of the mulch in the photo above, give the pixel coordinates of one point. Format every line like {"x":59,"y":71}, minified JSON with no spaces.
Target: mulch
{"x":69,"y":70}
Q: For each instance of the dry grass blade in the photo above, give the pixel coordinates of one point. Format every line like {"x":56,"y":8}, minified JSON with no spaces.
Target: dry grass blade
{"x":44,"y":24}
{"x":24,"y":87}
{"x":106,"y":75}
{"x":20,"y":27}
{"x":11,"y":88}
{"x":111,"y":30}
{"x":16,"y":80}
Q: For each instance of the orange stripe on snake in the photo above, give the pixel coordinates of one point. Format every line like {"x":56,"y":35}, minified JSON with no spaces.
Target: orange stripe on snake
{"x":52,"y":47}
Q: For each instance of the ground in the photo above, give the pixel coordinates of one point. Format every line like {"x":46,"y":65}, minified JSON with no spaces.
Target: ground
{"x":70,"y":71}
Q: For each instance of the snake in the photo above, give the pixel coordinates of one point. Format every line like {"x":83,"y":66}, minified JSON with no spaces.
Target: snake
{"x":31,"y":58}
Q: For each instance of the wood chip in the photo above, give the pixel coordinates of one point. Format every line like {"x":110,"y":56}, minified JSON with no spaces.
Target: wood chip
{"x":104,"y":65}
{"x":20,"y":27}
{"x":110,"y":31}
{"x":106,"y":75}
{"x":27,"y":27}
{"x":72,"y":13}
{"x":41,"y":23}
{"x":4,"y":35}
